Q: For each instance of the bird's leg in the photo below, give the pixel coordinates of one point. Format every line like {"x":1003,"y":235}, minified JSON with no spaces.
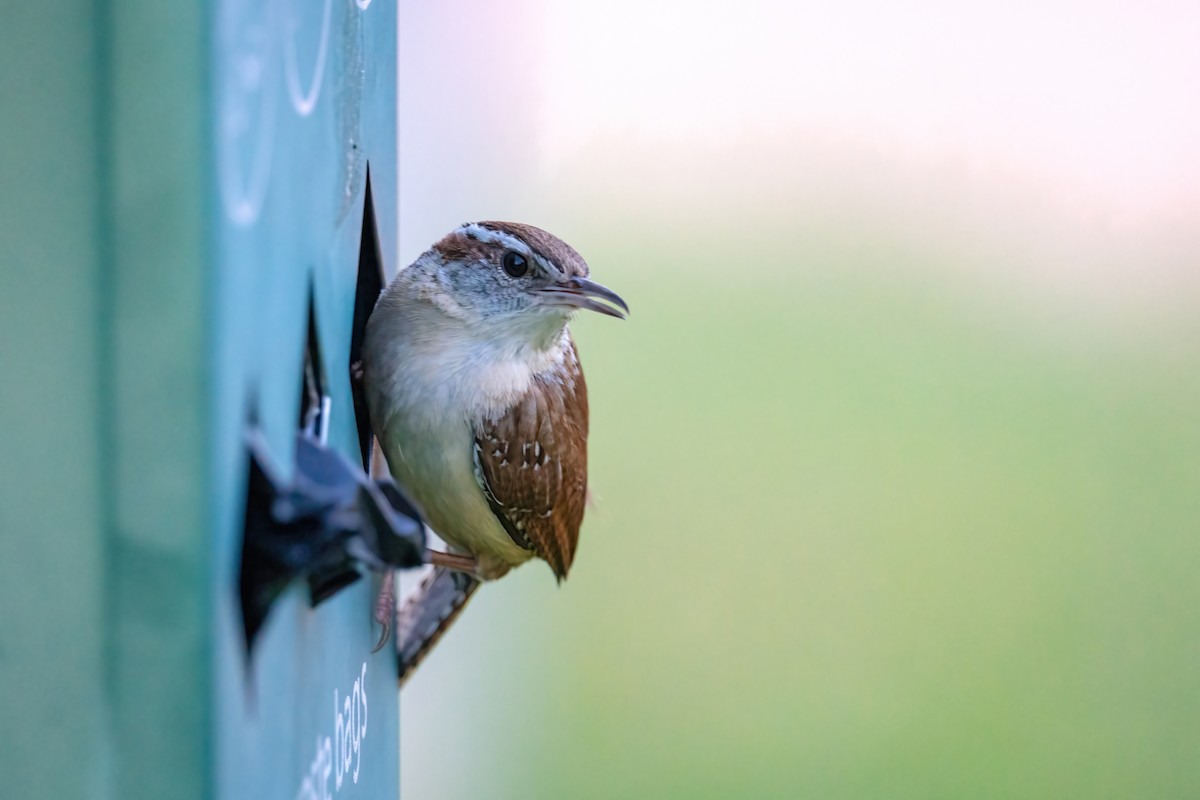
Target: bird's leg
{"x":453,"y":561}
{"x":385,"y":607}
{"x":385,"y":601}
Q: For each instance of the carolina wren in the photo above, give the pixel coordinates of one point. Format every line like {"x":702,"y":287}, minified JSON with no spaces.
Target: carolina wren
{"x":477,"y":397}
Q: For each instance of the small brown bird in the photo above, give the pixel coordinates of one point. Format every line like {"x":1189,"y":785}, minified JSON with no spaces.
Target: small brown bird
{"x":477,"y":396}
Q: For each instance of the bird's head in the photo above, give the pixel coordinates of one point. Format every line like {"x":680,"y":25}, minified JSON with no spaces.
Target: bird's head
{"x":511,"y":280}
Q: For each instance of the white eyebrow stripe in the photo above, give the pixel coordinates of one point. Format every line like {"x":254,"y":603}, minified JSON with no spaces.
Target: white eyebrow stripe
{"x":506,"y":240}
{"x":476,"y":231}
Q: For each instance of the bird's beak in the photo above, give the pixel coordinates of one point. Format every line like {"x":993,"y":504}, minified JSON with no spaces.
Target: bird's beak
{"x":583,"y":293}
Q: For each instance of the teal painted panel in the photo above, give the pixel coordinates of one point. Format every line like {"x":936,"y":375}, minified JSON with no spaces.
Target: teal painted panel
{"x":155,"y":142}
{"x":304,"y":104}
{"x":180,"y":179}
{"x":52,"y":703}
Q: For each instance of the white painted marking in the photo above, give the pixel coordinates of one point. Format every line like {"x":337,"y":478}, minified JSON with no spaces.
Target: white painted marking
{"x":246,"y":109}
{"x":337,"y":754}
{"x":304,"y":101}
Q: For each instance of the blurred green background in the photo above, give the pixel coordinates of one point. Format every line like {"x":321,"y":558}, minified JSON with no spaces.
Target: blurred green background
{"x":897,"y":460}
{"x":855,"y":537}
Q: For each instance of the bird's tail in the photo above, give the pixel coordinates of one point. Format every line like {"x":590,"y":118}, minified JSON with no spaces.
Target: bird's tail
{"x":428,"y":614}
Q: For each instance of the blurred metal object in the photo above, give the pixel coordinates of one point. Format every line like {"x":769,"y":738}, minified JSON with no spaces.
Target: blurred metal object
{"x":324,"y":526}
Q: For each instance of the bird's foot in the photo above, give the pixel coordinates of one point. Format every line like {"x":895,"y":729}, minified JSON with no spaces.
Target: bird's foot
{"x":385,"y":601}
{"x":385,"y":608}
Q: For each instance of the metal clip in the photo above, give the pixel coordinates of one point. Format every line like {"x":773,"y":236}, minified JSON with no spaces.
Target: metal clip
{"x":325,"y":525}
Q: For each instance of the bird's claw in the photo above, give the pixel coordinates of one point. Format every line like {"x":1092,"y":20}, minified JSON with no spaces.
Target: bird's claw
{"x":385,"y":609}
{"x":384,"y":635}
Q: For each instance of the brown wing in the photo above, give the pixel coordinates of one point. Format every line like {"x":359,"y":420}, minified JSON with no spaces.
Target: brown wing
{"x":533,"y":464}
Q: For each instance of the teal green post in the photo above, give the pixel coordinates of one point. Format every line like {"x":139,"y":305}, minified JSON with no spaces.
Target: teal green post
{"x":53,"y":278}
{"x":175,"y":180}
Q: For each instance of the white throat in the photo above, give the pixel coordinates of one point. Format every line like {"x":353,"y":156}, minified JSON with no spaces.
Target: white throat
{"x":440,"y":365}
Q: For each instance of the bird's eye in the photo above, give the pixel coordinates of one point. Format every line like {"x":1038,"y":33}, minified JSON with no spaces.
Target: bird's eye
{"x":515,"y":264}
